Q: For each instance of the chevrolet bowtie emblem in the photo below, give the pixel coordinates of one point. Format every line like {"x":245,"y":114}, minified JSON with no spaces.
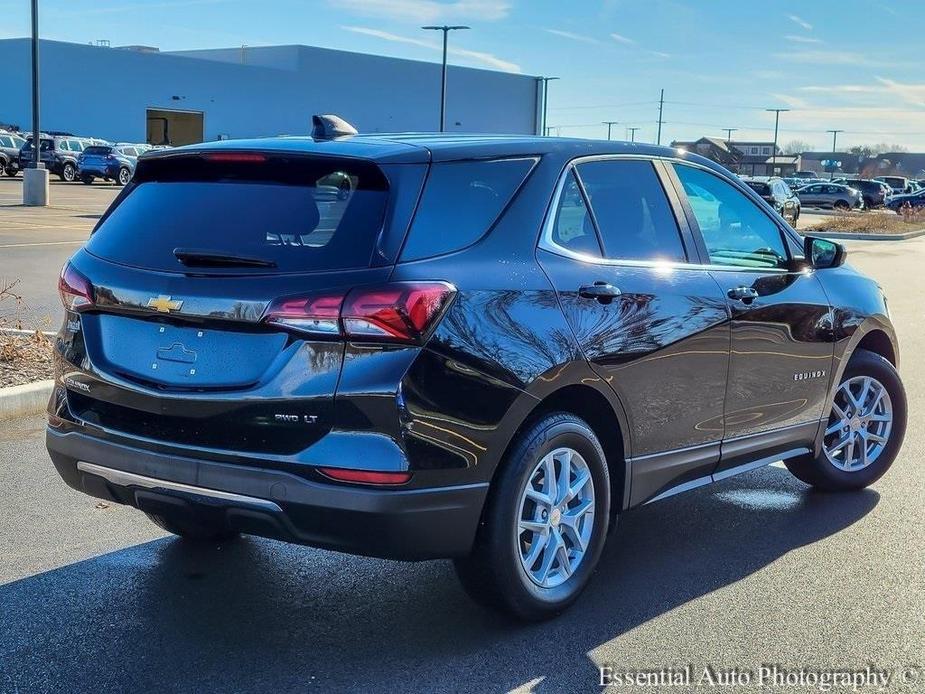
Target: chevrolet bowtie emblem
{"x":164,"y":304}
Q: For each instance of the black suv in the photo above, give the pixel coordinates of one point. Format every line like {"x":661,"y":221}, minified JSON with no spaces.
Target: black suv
{"x":488,"y":349}
{"x":58,"y":152}
{"x":875,"y":193}
{"x":777,"y":194}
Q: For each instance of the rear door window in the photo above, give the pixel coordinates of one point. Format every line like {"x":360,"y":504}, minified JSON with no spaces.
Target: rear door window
{"x":573,"y":229}
{"x":461,"y":202}
{"x":633,"y":216}
{"x":281,"y":210}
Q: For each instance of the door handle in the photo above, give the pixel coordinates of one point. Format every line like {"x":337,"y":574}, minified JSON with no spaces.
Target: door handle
{"x":744,"y":294}
{"x":602,"y":291}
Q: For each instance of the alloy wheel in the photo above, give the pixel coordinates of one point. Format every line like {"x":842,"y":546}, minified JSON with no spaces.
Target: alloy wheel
{"x":555,"y":518}
{"x":860,"y":423}
{"x":69,"y":173}
{"x":124,"y":176}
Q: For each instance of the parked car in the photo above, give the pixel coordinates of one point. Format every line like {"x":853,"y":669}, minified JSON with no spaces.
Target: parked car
{"x":910,"y":200}
{"x":830,"y":195}
{"x":778,"y":195}
{"x":899,"y":184}
{"x":10,"y":144}
{"x":108,"y":162}
{"x":806,"y":175}
{"x":874,"y":193}
{"x":494,"y":348}
{"x":58,"y":152}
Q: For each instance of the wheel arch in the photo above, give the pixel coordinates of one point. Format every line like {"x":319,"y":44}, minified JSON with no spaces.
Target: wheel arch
{"x":590,"y":404}
{"x":877,"y":341}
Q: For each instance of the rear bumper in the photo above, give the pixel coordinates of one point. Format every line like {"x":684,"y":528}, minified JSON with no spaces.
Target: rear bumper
{"x":101,"y":171}
{"x":408,"y":524}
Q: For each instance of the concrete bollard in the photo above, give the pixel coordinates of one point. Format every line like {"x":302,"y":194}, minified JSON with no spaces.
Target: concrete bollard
{"x":35,"y":187}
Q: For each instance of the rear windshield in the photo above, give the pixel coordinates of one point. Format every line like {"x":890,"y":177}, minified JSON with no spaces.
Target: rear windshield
{"x":759,"y":187}
{"x":43,"y":147}
{"x":97,"y":149}
{"x":301,"y":214}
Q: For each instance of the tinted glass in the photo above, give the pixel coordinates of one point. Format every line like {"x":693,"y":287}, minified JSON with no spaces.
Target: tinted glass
{"x":573,"y":228}
{"x":759,"y":187}
{"x":733,"y":227}
{"x":461,"y":201}
{"x":6,"y":141}
{"x":76,"y":145}
{"x":632,"y":212}
{"x":287,"y":214}
{"x":98,"y":149}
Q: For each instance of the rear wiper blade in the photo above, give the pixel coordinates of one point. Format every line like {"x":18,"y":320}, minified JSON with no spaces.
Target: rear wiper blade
{"x":206,"y":258}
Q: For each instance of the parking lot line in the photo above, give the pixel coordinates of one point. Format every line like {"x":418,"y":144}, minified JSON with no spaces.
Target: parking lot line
{"x":41,"y":243}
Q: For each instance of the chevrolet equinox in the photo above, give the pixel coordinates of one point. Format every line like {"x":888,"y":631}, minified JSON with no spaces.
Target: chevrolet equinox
{"x":483,"y":348}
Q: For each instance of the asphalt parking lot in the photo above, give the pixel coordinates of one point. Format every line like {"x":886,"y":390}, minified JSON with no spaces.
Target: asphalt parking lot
{"x":753,"y":571}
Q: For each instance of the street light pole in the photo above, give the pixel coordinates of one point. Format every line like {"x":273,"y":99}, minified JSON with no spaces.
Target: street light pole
{"x":545,"y":81}
{"x":776,"y":112}
{"x":446,"y":29}
{"x":35,"y":190}
{"x":834,"y":140}
{"x":609,"y":124}
{"x":36,"y":144}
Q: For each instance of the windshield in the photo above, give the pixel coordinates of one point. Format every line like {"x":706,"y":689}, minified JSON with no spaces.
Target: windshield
{"x":311,"y":215}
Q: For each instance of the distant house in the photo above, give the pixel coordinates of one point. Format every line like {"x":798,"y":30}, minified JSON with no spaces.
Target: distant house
{"x":745,"y":158}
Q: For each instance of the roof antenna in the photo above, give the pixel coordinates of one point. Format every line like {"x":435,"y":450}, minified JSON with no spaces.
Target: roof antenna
{"x":328,"y":127}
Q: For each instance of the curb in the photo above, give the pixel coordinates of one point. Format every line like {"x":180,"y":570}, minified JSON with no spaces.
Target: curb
{"x":858,"y":236}
{"x":17,"y":331}
{"x":31,"y":398}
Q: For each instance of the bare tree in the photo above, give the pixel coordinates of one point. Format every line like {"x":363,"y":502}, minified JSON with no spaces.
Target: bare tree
{"x":797,"y":147}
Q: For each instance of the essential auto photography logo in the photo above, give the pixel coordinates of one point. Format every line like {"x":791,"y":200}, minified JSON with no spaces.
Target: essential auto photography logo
{"x":767,"y":676}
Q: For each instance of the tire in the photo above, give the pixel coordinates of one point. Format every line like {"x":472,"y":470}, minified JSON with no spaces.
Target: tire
{"x":10,"y":171}
{"x":123,"y":177}
{"x":87,"y":179}
{"x":68,"y":172}
{"x":841,"y":205}
{"x":191,"y":530}
{"x":824,"y":474}
{"x":495,"y":574}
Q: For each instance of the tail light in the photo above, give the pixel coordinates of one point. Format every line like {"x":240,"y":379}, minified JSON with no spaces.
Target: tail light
{"x":75,"y":289}
{"x":365,"y":476}
{"x":399,"y":312}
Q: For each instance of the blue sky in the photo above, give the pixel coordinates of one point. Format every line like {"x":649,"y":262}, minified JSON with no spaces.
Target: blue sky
{"x":855,"y":65}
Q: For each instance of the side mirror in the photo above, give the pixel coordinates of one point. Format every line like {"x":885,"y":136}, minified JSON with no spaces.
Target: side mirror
{"x":822,"y":253}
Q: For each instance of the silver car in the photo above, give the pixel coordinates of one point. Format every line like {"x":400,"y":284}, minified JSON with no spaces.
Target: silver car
{"x":830,"y":195}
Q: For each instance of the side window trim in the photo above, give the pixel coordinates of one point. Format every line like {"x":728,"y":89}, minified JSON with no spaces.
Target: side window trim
{"x":747,"y":192}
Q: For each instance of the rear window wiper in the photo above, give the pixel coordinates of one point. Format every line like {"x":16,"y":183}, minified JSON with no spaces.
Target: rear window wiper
{"x":205,"y":258}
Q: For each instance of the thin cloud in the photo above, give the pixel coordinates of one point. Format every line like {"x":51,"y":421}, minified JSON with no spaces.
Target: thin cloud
{"x":478,"y":56}
{"x":821,"y":57}
{"x":660,"y":54}
{"x":572,"y":36}
{"x":802,"y":39}
{"x":619,"y":38}
{"x":426,"y":11}
{"x":800,"y":22}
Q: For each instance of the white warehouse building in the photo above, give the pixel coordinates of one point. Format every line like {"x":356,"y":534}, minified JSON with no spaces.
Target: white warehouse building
{"x":140,"y":94}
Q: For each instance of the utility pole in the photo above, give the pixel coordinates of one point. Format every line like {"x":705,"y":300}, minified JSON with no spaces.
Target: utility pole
{"x":35,"y":178}
{"x":446,"y":29}
{"x":834,"y":140}
{"x":609,"y":124}
{"x":729,"y":132}
{"x":545,"y":81}
{"x":661,"y":106}
{"x":632,"y":132}
{"x":776,"y":112}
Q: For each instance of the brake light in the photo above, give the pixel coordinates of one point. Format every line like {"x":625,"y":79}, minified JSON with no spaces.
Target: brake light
{"x":397,"y":312}
{"x":316,"y":315}
{"x":365,"y":476}
{"x":237,"y":157}
{"x":75,"y":289}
